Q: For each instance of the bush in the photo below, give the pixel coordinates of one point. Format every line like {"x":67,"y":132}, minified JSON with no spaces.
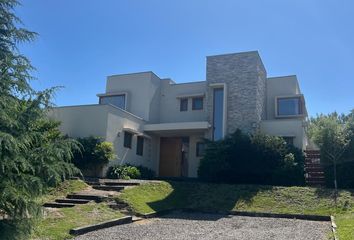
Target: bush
{"x":257,"y":159}
{"x":146,"y":173}
{"x":123,"y":172}
{"x":95,"y":154}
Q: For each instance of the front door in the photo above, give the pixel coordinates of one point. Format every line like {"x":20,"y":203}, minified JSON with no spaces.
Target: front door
{"x":170,"y":157}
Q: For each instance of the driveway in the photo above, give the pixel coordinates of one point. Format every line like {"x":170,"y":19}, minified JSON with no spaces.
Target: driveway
{"x":187,"y":226}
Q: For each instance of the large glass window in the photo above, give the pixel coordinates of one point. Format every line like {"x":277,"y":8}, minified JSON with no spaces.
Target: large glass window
{"x":289,"y":106}
{"x":183,"y":104}
{"x":128,"y":139}
{"x":116,"y":100}
{"x":140,"y":146}
{"x":197,"y":103}
{"x":218,"y":113}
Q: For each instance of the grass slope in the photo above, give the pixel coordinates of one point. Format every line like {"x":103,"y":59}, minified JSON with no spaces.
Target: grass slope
{"x":167,"y":195}
{"x":56,"y":223}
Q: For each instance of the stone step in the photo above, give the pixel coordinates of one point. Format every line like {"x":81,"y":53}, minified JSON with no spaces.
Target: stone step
{"x":58,"y":205}
{"x":315,"y":174}
{"x":313,"y":168}
{"x":315,"y":182}
{"x":312,"y":151}
{"x":317,"y":178}
{"x":108,"y":188}
{"x":96,"y":198}
{"x":121,"y":183}
{"x":73,"y":201}
{"x":118,"y":206}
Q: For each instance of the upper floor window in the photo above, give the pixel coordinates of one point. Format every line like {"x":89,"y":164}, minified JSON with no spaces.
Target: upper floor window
{"x":197,"y":103}
{"x":289,"y":106}
{"x":116,"y":100}
{"x":183,"y":104}
{"x":128,"y":139}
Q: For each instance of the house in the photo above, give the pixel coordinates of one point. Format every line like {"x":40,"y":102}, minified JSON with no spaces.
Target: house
{"x":161,"y":124}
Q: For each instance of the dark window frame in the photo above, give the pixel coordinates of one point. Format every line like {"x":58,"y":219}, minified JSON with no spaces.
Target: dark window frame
{"x":198,"y":149}
{"x":128,"y":138}
{"x":115,"y":95}
{"x":140,"y":146}
{"x":300,"y":106}
{"x":183,"y":108}
{"x":194,"y":107}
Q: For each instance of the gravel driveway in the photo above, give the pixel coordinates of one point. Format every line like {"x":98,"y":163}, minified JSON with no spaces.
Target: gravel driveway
{"x":214,"y":227}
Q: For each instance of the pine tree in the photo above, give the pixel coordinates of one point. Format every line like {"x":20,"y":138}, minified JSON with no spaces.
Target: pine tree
{"x":33,"y":153}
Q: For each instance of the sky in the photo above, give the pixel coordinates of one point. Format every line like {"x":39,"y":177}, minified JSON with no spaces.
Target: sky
{"x":81,"y":42}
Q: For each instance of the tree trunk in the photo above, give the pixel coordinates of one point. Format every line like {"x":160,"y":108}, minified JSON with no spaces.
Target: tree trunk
{"x":335,"y":181}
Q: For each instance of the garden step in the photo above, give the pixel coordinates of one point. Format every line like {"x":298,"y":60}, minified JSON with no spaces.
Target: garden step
{"x":311,"y":175}
{"x":309,"y":166}
{"x":108,"y":188}
{"x":118,"y":206}
{"x":312,"y":151}
{"x":317,"y":182}
{"x":73,"y":201}
{"x":320,"y":178}
{"x":121,"y":183}
{"x":97,"y":198}
{"x":58,"y":205}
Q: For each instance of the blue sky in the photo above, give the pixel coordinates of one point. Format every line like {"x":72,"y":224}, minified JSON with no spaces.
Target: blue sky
{"x":82,"y":41}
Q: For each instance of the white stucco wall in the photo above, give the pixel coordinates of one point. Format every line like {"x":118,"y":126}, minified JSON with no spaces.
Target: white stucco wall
{"x":279,"y":86}
{"x":287,"y":128}
{"x":81,"y":121}
{"x":170,"y":103}
{"x":109,"y":123}
{"x":193,"y":161}
{"x":143,"y":93}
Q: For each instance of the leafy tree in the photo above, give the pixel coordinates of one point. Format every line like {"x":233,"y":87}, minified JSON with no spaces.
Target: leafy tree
{"x":333,"y":134}
{"x":33,"y":153}
{"x":94,"y":156}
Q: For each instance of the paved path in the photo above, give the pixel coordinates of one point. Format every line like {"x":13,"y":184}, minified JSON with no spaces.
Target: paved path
{"x":214,"y":227}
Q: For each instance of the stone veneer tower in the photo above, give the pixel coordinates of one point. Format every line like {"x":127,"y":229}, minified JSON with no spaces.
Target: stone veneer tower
{"x":244,"y":77}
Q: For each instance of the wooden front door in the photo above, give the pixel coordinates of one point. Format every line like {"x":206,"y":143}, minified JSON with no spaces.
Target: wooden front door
{"x":170,"y":157}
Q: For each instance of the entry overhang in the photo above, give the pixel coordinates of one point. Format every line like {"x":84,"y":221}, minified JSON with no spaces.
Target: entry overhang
{"x":177,"y":126}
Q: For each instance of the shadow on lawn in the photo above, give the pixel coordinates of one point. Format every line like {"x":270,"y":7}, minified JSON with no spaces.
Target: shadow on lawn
{"x":205,"y":197}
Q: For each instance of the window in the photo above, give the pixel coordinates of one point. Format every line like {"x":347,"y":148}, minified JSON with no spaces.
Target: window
{"x":116,"y":100}
{"x":289,"y":140}
{"x":291,"y":106}
{"x":183,"y":104}
{"x":218,"y":113}
{"x":140,"y":146}
{"x":197,"y":103}
{"x":128,"y":139}
{"x":200,"y":149}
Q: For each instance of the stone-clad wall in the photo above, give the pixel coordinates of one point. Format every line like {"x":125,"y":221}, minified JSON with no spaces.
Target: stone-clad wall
{"x":245,"y":77}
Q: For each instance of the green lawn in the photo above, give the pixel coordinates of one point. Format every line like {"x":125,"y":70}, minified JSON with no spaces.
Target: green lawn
{"x":55,"y":224}
{"x":66,"y":187}
{"x":167,"y":195}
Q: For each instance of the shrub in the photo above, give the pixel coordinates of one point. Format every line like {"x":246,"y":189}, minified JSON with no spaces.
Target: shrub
{"x":123,"y":172}
{"x":146,"y":173}
{"x":257,"y":159}
{"x":94,"y":155}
